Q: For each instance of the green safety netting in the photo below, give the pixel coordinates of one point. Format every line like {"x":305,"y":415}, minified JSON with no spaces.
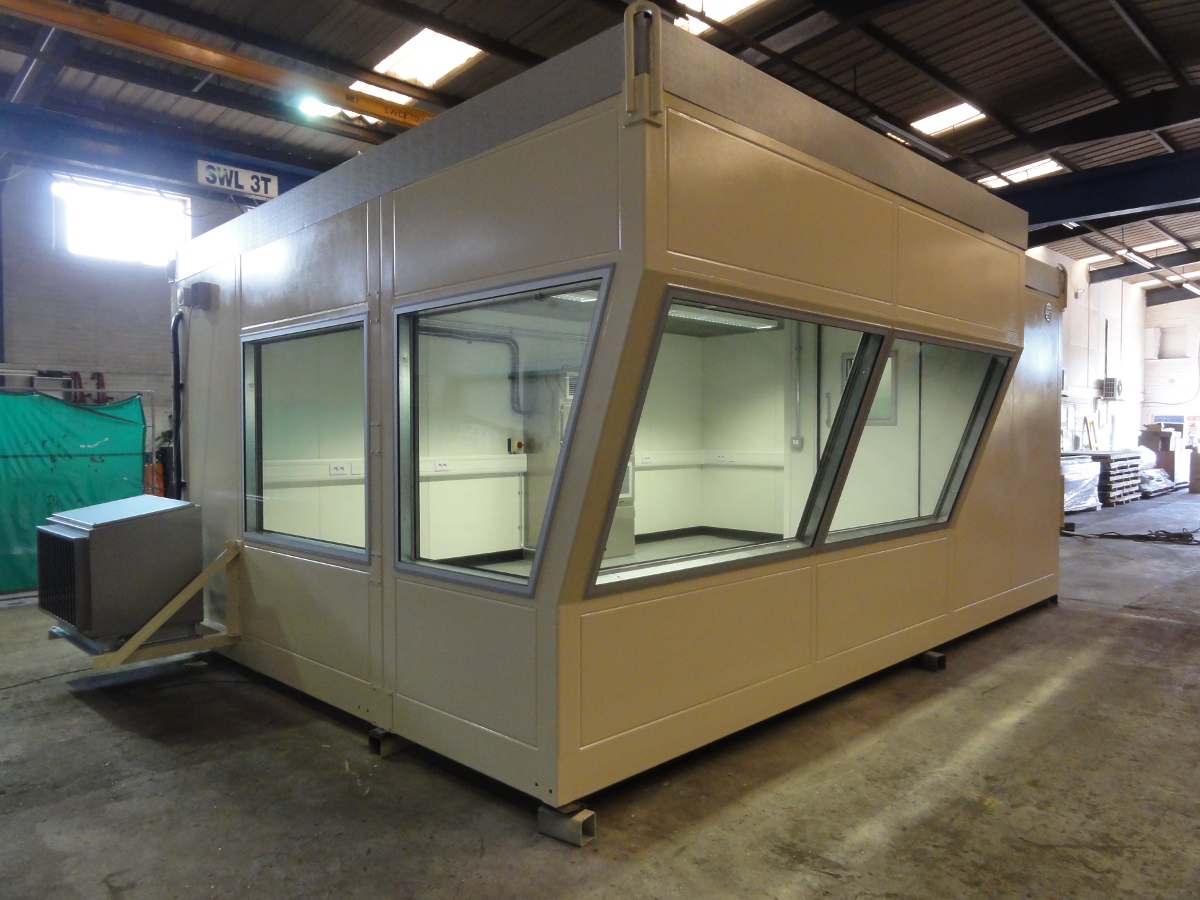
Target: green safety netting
{"x":55,"y":456}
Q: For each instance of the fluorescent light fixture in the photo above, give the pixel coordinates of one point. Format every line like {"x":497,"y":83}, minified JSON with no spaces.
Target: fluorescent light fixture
{"x":311,"y":106}
{"x":1035,"y":169}
{"x":721,"y":10}
{"x":1099,"y":257}
{"x":1157,"y":245}
{"x":1191,"y":287}
{"x":715,"y":317}
{"x":427,"y":59}
{"x":125,"y":224}
{"x":577,"y":296}
{"x":1138,"y":259}
{"x":897,"y":133}
{"x":955,"y":116}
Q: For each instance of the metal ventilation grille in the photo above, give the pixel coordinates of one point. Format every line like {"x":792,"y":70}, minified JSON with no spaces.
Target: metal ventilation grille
{"x":572,"y":385}
{"x":56,"y":576}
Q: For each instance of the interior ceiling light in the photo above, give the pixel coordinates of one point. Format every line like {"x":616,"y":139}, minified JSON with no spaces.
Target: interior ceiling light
{"x":1157,"y":245}
{"x":1099,"y":257}
{"x":1191,"y":287}
{"x":1035,"y":169}
{"x":576,"y":296}
{"x":311,"y":106}
{"x":721,"y":10}
{"x":963,"y":114}
{"x":1137,"y":258}
{"x":909,"y":139}
{"x":713,"y":317}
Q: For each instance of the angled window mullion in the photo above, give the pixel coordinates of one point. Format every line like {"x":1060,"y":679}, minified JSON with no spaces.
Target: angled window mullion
{"x":869,"y":364}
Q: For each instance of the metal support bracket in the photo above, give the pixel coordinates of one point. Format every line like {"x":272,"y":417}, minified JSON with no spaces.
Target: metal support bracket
{"x":932,"y":661}
{"x":384,"y":744}
{"x":1053,"y":599}
{"x":572,"y":824}
{"x":643,"y":64}
{"x":135,"y":649}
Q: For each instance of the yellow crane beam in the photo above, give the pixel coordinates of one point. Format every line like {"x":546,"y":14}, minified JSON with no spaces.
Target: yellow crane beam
{"x":171,"y":47}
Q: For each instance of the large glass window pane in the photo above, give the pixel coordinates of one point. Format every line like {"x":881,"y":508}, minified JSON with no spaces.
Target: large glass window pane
{"x":909,"y":464}
{"x":743,"y":414}
{"x":305,"y":436}
{"x":492,"y":385}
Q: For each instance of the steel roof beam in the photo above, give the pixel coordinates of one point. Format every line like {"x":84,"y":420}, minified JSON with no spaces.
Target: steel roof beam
{"x":223,"y":28}
{"x":109,"y":66}
{"x":799,"y":33}
{"x":418,"y":15}
{"x":1159,"y":296}
{"x":1051,"y":233}
{"x":1144,"y":33}
{"x":1146,"y":186}
{"x":1068,"y":45}
{"x":1167,"y":231}
{"x":1126,"y":270}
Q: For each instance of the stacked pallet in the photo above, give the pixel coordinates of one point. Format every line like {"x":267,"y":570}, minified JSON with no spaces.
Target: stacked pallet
{"x":1120,"y":478}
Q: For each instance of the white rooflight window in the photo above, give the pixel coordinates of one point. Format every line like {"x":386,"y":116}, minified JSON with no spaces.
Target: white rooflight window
{"x":126,"y":224}
{"x":955,"y":116}
{"x":1157,"y":245}
{"x":1099,"y":257}
{"x":426,"y":59}
{"x":1035,"y":169}
{"x":721,"y":10}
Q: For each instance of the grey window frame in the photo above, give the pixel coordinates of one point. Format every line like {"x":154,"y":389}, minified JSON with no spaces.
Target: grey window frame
{"x":405,"y":411}
{"x":836,"y":458}
{"x":307,"y":328}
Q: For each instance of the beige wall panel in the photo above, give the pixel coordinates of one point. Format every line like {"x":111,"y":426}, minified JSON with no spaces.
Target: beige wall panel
{"x":738,"y":203}
{"x":329,"y":685}
{"x":1036,"y":473}
{"x":321,"y":267}
{"x":984,"y":527}
{"x":556,"y":195}
{"x":649,"y":660}
{"x":875,"y":594}
{"x":470,"y":657}
{"x":943,"y":270}
{"x":315,"y":609}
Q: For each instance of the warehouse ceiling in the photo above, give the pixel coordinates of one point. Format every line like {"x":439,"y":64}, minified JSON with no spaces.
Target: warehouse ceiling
{"x":1039,"y":88}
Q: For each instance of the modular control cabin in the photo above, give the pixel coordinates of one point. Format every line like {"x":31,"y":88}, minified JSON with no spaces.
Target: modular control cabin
{"x":626,"y":405}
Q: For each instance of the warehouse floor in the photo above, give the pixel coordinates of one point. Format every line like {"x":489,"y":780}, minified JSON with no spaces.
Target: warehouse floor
{"x":1056,"y":757}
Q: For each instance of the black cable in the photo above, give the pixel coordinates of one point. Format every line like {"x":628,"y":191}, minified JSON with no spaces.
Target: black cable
{"x":1160,"y":536}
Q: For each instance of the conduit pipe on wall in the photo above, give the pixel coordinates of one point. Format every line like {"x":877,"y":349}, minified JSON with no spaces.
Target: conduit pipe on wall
{"x":177,"y":483}
{"x":514,"y":353}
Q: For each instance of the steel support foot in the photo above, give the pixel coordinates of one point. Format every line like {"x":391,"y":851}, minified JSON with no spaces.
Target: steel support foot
{"x":932,"y":661}
{"x":384,"y":743}
{"x":571,"y":823}
{"x":1052,"y":601}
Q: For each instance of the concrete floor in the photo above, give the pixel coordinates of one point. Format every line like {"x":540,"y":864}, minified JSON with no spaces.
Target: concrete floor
{"x":1056,"y":757}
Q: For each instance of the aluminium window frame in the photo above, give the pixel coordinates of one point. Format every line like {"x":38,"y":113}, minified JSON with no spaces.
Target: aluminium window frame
{"x":834,"y":465}
{"x":323,"y":323}
{"x":405,"y":410}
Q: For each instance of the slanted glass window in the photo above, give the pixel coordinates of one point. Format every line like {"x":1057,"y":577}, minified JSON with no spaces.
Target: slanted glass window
{"x":744,"y":422}
{"x":305,"y":436}
{"x":487,"y":390}
{"x":908,"y":469}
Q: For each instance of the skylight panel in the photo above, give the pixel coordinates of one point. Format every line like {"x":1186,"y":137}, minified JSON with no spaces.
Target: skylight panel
{"x":721,"y":10}
{"x":953,"y":117}
{"x":1098,"y":258}
{"x":1035,"y":169}
{"x":428,"y":58}
{"x":1157,"y":245}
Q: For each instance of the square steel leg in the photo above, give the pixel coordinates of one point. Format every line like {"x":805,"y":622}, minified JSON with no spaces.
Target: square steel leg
{"x":571,"y":823}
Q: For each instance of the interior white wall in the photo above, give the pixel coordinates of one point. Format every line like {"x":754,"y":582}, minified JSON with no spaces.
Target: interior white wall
{"x":73,"y":313}
{"x":313,"y":437}
{"x":1172,"y":385}
{"x":1089,"y":307}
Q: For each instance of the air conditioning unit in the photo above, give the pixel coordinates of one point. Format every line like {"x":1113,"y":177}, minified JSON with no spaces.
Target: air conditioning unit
{"x":1111,"y":389}
{"x":105,"y":570}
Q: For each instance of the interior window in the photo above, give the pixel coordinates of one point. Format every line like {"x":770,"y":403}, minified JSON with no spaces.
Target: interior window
{"x":908,"y":471}
{"x":743,"y":424}
{"x":492,"y":384}
{"x":305,"y":436}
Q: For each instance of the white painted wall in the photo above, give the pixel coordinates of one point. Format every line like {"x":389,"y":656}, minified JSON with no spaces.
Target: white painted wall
{"x":1123,"y":307}
{"x":1172,"y":365}
{"x":76,"y":314}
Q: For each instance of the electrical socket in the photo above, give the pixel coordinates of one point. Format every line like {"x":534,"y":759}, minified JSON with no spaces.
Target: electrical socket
{"x":441,"y":466}
{"x":339,"y":469}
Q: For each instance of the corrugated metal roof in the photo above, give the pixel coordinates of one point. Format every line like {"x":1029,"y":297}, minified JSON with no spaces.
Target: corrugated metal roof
{"x":993,"y":53}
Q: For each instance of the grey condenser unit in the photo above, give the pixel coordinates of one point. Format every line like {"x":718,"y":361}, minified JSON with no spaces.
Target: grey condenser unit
{"x":105,"y":570}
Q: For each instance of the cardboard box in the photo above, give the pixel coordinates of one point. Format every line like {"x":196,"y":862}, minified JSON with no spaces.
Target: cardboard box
{"x":1176,"y":463}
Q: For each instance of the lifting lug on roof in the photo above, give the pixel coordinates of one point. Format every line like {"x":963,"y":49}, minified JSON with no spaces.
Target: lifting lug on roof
{"x":643,"y":64}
